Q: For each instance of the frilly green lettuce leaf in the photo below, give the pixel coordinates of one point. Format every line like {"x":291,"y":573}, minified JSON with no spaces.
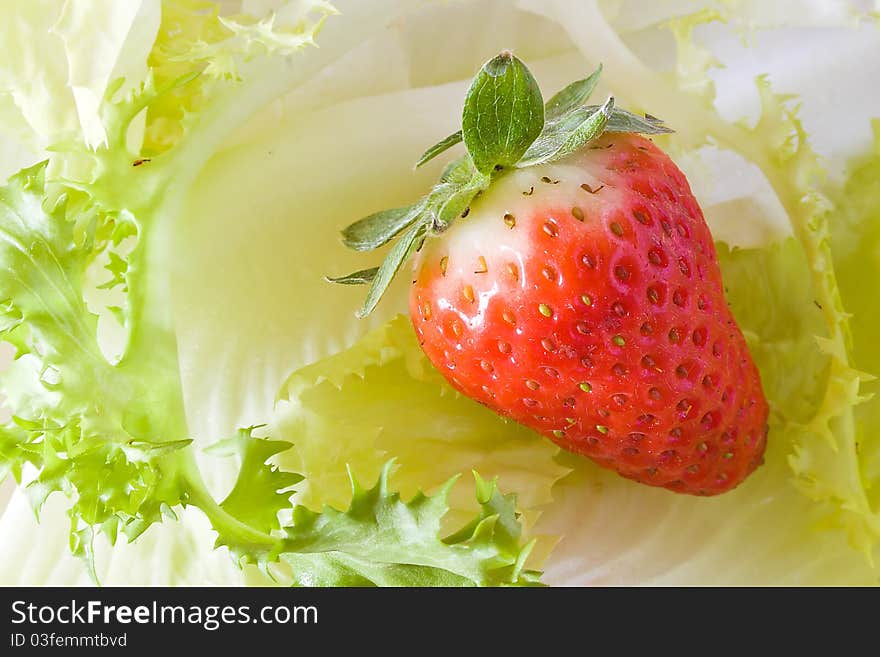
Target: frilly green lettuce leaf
{"x":261,"y":489}
{"x":91,"y":428}
{"x":855,"y":234}
{"x":240,"y":39}
{"x":382,"y":540}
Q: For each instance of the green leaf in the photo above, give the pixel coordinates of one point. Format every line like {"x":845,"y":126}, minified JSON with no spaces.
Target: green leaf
{"x":138,"y":450}
{"x":381,"y":540}
{"x":498,"y":511}
{"x":14,"y":451}
{"x":261,"y":490}
{"x":459,"y":172}
{"x":108,"y":488}
{"x":194,"y":38}
{"x":622,"y":120}
{"x":457,"y":202}
{"x":572,"y":96}
{"x":567,"y":135}
{"x":118,"y":267}
{"x":503,"y":113}
{"x":10,"y":317}
{"x":113,"y":436}
{"x":399,"y":253}
{"x":380,"y":228}
{"x":93,"y":430}
{"x":439,"y":147}
{"x":447,"y":201}
{"x":246,"y":38}
{"x":42,"y":270}
{"x":360,"y":277}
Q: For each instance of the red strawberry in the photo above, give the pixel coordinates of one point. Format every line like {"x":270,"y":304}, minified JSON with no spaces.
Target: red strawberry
{"x":572,"y":285}
{"x":584,"y":299}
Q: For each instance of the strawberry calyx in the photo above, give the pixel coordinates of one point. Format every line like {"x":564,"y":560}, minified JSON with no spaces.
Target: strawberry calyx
{"x":505,"y":124}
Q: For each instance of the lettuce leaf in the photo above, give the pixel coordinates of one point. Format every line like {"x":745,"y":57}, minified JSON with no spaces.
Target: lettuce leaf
{"x":855,"y":234}
{"x":368,"y":543}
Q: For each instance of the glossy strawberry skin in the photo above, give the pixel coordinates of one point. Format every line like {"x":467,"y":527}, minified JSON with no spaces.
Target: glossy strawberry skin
{"x":584,"y":300}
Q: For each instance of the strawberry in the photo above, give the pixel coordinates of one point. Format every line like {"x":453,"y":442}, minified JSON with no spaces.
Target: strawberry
{"x":576,"y":290}
{"x":583,"y":299}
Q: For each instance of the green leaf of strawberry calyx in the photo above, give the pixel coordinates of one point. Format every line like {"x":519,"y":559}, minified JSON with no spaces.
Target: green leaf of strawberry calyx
{"x":440,"y":147}
{"x":408,"y":244}
{"x":503,"y":113}
{"x":377,"y":229}
{"x":624,"y":121}
{"x":565,"y":136}
{"x":458,"y":200}
{"x":573,"y":96}
{"x":360,"y":277}
{"x":504,"y":125}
